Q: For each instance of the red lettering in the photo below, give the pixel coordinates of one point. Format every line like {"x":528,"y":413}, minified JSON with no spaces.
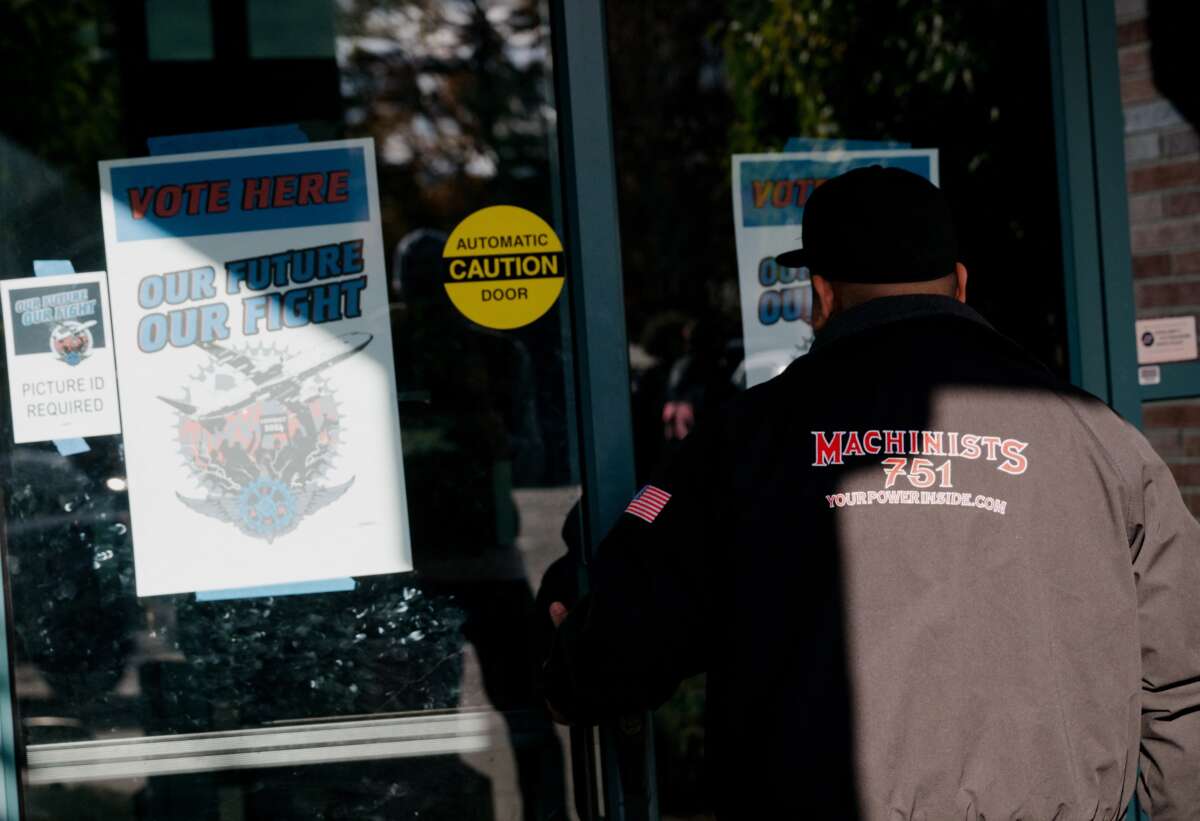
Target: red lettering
{"x":256,"y":193}
{"x":218,"y":197}
{"x":829,"y":450}
{"x":194,"y":190}
{"x":853,"y":446}
{"x":867,"y":446}
{"x":310,"y":189}
{"x":970,"y":444}
{"x":991,"y":443}
{"x":139,"y":201}
{"x":1013,"y":452}
{"x":931,"y":442}
{"x":339,"y":187}
{"x":893,"y":441}
{"x":762,"y":191}
{"x":782,"y":197}
{"x":805,"y":189}
{"x":168,"y":201}
{"x":285,"y":191}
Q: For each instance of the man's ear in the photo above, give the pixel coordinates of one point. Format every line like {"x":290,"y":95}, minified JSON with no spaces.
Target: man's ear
{"x":960,"y":282}
{"x":824,"y":301}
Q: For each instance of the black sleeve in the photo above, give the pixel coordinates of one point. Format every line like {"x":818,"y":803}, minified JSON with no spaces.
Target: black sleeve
{"x":645,"y":624}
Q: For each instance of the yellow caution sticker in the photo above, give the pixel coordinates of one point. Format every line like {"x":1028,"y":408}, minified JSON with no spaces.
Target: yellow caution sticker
{"x":504,"y":267}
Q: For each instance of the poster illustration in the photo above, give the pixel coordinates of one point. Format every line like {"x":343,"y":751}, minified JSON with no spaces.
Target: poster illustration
{"x":253,"y":342}
{"x":769,"y":193}
{"x":60,"y":358}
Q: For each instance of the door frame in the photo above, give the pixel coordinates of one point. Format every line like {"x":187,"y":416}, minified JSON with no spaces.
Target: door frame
{"x":623,"y":750}
{"x":1093,"y":206}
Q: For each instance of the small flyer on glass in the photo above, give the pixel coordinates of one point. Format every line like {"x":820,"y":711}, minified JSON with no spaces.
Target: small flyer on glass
{"x":61,"y":379}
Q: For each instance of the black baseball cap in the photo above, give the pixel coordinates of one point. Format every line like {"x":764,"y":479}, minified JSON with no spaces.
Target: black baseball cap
{"x":876,"y":225}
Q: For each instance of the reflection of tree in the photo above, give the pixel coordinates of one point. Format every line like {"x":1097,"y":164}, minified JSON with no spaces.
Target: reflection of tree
{"x":745,"y":75}
{"x":64,"y":103}
{"x":822,"y":69}
{"x":455,"y":94}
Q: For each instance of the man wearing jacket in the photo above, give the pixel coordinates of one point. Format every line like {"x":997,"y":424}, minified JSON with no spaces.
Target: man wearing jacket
{"x":926,"y":579}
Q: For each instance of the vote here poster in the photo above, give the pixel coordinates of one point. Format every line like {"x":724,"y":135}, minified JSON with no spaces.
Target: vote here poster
{"x":61,"y":380}
{"x":254,"y":353}
{"x":769,"y":193}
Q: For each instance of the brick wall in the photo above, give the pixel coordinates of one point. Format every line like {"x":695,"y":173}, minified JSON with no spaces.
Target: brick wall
{"x":1162,"y":155}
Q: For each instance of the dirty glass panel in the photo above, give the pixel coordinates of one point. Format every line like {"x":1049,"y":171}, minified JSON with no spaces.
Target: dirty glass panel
{"x":739,"y":77}
{"x":411,"y":695}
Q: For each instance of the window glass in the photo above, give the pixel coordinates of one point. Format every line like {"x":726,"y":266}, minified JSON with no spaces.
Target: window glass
{"x":971,"y":80}
{"x":410,"y":695}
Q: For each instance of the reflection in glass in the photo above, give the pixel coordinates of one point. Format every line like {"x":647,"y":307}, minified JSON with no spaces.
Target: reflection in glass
{"x":410,"y":696}
{"x":738,"y":76}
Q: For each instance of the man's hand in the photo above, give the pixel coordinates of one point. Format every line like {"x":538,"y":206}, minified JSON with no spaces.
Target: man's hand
{"x":558,"y":614}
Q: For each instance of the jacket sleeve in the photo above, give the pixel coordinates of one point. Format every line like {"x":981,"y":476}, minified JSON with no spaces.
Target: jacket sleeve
{"x":644,"y":625}
{"x":1166,"y":564}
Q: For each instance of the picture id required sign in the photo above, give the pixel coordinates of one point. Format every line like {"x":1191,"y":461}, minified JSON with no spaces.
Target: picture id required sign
{"x":62,"y":382}
{"x":769,"y":194}
{"x":254,"y":343}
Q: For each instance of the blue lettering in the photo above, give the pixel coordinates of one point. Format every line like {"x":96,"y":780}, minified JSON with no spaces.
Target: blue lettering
{"x":304,"y":266}
{"x":353,"y":290}
{"x":150,"y":291}
{"x":253,"y":310}
{"x":235,"y":275}
{"x":769,"y":307}
{"x":768,"y":272}
{"x":152,"y":333}
{"x":796,"y":303}
{"x":352,"y":258}
{"x":326,"y":302}
{"x":327,"y":262}
{"x":295,"y":308}
{"x":259,"y":275}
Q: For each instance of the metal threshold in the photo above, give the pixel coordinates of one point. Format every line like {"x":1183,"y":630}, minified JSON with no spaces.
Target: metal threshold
{"x":445,"y":734}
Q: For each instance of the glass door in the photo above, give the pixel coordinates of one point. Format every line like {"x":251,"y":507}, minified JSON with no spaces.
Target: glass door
{"x":752,"y":105}
{"x":399,"y":695}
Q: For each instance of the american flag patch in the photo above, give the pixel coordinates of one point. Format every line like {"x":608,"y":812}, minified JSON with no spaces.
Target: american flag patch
{"x":648,"y":503}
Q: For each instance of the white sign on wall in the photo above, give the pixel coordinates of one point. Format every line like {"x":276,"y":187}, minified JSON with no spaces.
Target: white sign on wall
{"x":1170,"y":339}
{"x":254,"y":346}
{"x":769,"y":193}
{"x":60,"y":357}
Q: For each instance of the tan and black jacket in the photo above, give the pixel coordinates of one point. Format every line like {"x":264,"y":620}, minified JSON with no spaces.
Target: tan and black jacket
{"x":926,"y":580}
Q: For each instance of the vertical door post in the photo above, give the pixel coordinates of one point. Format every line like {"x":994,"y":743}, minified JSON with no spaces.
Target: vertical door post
{"x":601,"y":347}
{"x":1089,"y":143}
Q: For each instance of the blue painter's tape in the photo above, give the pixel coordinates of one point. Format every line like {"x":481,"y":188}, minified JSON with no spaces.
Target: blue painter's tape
{"x":71,"y":447}
{"x":800,"y":177}
{"x":290,"y":134}
{"x":811,"y":144}
{"x":50,"y":268}
{"x":247,"y":200}
{"x":293,"y":589}
{"x":220,"y":141}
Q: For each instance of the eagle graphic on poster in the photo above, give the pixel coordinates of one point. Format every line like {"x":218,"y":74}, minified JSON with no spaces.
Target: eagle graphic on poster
{"x":259,"y":429}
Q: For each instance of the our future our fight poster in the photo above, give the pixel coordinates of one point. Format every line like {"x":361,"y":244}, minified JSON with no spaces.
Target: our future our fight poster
{"x":769,"y":193}
{"x":254,"y":353}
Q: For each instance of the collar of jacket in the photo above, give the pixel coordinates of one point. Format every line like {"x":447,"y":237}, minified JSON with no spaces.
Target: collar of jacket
{"x":886,"y":310}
